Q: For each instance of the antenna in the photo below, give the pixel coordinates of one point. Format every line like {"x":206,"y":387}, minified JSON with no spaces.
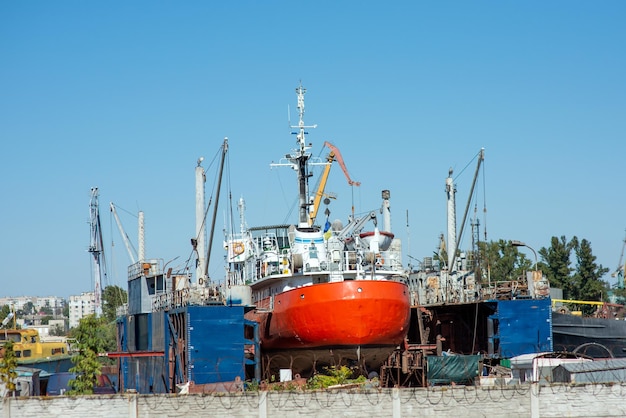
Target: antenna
{"x":408,"y":235}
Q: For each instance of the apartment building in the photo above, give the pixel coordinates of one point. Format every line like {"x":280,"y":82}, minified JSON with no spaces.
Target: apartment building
{"x":80,"y":306}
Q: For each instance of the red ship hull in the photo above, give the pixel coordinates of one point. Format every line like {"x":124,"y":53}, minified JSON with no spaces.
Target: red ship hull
{"x":354,"y":318}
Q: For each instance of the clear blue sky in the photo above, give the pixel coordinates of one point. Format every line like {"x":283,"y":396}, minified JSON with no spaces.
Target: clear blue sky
{"x":125,"y":96}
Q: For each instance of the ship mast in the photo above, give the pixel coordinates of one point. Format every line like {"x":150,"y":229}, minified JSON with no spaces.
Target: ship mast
{"x":299,"y":161}
{"x":200,"y":221}
{"x":217,"y":199}
{"x":451,"y":191}
{"x":96,"y":250}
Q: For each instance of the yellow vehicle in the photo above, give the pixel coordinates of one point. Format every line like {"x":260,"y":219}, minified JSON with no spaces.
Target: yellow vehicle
{"x":51,"y":356}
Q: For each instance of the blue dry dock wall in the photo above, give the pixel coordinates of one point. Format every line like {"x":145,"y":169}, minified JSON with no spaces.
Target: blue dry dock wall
{"x":142,"y":340}
{"x":216,"y":344}
{"x":213,"y":347}
{"x":520,"y":326}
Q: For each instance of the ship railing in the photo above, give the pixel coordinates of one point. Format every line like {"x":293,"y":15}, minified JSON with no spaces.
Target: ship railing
{"x":235,"y":277}
{"x":355,"y":260}
{"x":349,"y":261}
{"x":171,"y":300}
{"x":148,"y":268}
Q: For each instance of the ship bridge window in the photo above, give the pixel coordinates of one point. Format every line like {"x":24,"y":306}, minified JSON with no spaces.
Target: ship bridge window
{"x":155,"y":284}
{"x":27,"y":353}
{"x":18,"y":353}
{"x":313,"y":251}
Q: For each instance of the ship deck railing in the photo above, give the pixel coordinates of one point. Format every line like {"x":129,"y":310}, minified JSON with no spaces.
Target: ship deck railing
{"x":350,"y":261}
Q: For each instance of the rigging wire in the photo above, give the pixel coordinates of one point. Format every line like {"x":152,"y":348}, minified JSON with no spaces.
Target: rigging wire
{"x":122,"y":295}
{"x":467,"y":165}
{"x":472,"y":195}
{"x":291,"y":206}
{"x":484,"y":201}
{"x":191,"y":256}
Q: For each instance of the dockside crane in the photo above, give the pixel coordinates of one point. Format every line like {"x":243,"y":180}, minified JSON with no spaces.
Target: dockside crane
{"x":129,"y":248}
{"x":320,"y":188}
{"x":333,"y":155}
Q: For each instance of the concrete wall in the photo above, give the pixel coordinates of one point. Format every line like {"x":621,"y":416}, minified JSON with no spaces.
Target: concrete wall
{"x":459,"y":401}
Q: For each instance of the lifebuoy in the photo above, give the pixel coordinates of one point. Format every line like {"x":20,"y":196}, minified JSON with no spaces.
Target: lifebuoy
{"x":238,"y":248}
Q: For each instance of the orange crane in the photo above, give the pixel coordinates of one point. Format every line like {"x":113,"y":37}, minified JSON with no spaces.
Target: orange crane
{"x":335,"y":150}
{"x":334,"y":155}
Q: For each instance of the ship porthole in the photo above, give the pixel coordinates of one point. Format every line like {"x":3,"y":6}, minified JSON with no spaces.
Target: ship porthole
{"x":359,"y":290}
{"x":302,"y":296}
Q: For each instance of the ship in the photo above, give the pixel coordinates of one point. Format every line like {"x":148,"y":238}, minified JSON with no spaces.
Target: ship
{"x":600,"y":335}
{"x":180,"y":331}
{"x":503,"y":318}
{"x":460,"y":313}
{"x":31,"y":351}
{"x":323,"y":295}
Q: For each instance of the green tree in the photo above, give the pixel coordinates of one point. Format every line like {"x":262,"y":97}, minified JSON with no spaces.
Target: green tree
{"x":503,"y":261}
{"x":588,"y":275}
{"x":112,"y":298}
{"x":584,"y":282}
{"x":557,"y":267}
{"x":90,"y":336}
{"x":8,"y":365}
{"x":28,"y":308}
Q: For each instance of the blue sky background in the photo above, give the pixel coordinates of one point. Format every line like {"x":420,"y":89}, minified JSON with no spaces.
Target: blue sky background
{"x":125,"y":96}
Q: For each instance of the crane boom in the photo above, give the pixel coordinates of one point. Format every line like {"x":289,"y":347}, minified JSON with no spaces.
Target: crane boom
{"x":124,"y":235}
{"x":320,"y":189}
{"x":453,"y":248}
{"x":339,"y":159}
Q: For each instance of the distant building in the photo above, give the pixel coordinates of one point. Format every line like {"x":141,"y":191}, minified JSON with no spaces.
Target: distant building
{"x":55,"y":325}
{"x":81,"y":306}
{"x":55,"y":303}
